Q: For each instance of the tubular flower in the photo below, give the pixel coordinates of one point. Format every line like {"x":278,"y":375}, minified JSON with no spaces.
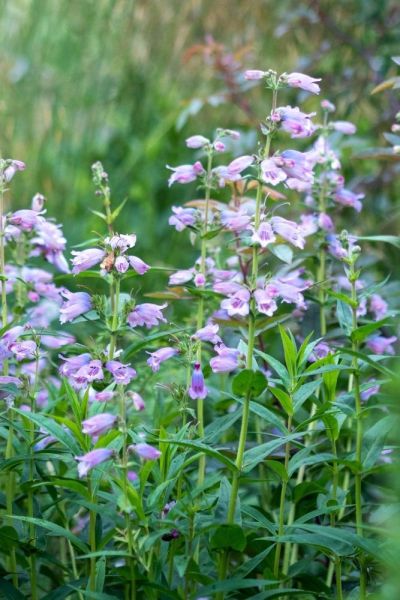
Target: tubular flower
{"x":92,"y":459}
{"x":197,"y":388}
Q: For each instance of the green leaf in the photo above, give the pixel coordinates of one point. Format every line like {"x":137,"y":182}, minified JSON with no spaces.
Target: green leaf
{"x":373,"y":362}
{"x":54,"y":529}
{"x":304,"y":392}
{"x":116,"y":212}
{"x":206,"y":450}
{"x":278,"y":468}
{"x":290,"y":351}
{"x":257,"y":454}
{"x":359,"y":334}
{"x":249,"y":383}
{"x":345,"y":317}
{"x":341,"y":297}
{"x":303,"y":458}
{"x":9,"y":592}
{"x":66,"y":439}
{"x":276,"y":365}
{"x":229,"y":585}
{"x":387,"y":239}
{"x":228,"y":536}
{"x":284,"y":399}
{"x":283,"y":252}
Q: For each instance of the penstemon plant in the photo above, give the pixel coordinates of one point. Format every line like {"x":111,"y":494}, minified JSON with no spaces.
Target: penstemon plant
{"x":223,"y":436}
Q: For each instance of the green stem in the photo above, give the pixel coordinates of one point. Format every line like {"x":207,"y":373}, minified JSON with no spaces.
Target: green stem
{"x":359,"y":431}
{"x":281,"y":520}
{"x":92,"y":538}
{"x":114,"y":295}
{"x":200,"y":313}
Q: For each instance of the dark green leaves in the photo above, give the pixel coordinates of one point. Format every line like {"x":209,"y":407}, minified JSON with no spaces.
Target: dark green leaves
{"x":249,"y":383}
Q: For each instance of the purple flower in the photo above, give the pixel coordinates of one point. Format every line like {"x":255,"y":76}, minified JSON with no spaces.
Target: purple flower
{"x":238,"y":304}
{"x":271,"y":173}
{"x":219,"y":146}
{"x":148,"y":315}
{"x":13,"y":167}
{"x":344,"y":127}
{"x":304,"y":82}
{"x":24,"y":219}
{"x":138,"y":265}
{"x":92,"y":371}
{"x":97,"y":425}
{"x":86,"y":259}
{"x":208,"y":333}
{"x":145,"y":451}
{"x":199,"y":280}
{"x":44,"y":442}
{"x":263,"y":235}
{"x":233,"y":171}
{"x":182,"y":217}
{"x":23,"y":350}
{"x":227,"y":359}
{"x":378,"y":306}
{"x":381,"y":345}
{"x":132,"y":476}
{"x":121,"y":264}
{"x":325,"y":222}
{"x":348,"y":198}
{"x":185,"y":173}
{"x":289,"y":230}
{"x":265,"y":302}
{"x":123,"y":374}
{"x":180,"y":277}
{"x":254,"y":74}
{"x":159,"y":356}
{"x":76,"y":304}
{"x":121,"y":242}
{"x":326,"y":105}
{"x":295,"y":122}
{"x":71,"y":365}
{"x":38,"y":201}
{"x":9,"y":380}
{"x":92,"y":459}
{"x":197,"y":388}
{"x":104,"y":396}
{"x":137,"y":400}
{"x":235,"y":220}
{"x":197,"y":141}
{"x":320,"y":350}
{"x":372,"y":388}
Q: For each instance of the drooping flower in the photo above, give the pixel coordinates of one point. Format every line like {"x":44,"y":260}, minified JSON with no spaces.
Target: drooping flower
{"x":344,"y":127}
{"x":227,"y":359}
{"x":264,"y":235}
{"x":235,"y":220}
{"x":378,"y":306}
{"x":147,"y":315}
{"x":98,"y":424}
{"x":197,"y":388}
{"x":371,"y":388}
{"x":23,"y":350}
{"x":92,"y":371}
{"x":50,"y":242}
{"x":289,"y":230}
{"x":304,"y":82}
{"x":180,"y":277}
{"x":123,"y":374}
{"x":348,"y":198}
{"x":254,"y":74}
{"x":137,"y":400}
{"x":76,"y":304}
{"x":185,"y":173}
{"x":72,"y":364}
{"x":121,"y":264}
{"x":138,"y":265}
{"x":379,"y":344}
{"x":233,"y":171}
{"x":295,"y":122}
{"x":104,"y":396}
{"x":86,"y":259}
{"x":182,"y":217}
{"x":145,"y":451}
{"x":25,"y":219}
{"x":10,"y":380}
{"x":209,"y":333}
{"x":320,"y":350}
{"x":92,"y":459}
{"x":325,"y":222}
{"x":197,"y":141}
{"x":159,"y":356}
{"x":12,"y":168}
{"x":265,"y":302}
{"x":271,"y":173}
{"x":121,"y":242}
{"x":238,"y":304}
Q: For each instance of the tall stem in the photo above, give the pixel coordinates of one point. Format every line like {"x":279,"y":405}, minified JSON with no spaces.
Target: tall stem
{"x":223,"y":567}
{"x":92,"y":538}
{"x":281,"y":520}
{"x":114,"y":296}
{"x":359,"y":430}
{"x":200,"y":312}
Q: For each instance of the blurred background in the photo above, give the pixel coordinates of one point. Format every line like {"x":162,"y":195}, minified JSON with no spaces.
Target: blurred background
{"x":125,"y":82}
